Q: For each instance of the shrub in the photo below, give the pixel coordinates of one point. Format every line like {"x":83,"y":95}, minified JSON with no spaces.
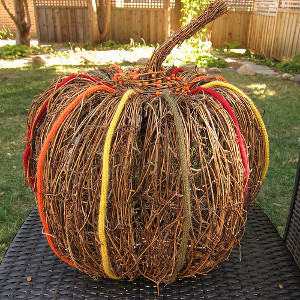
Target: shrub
{"x":35,"y":50}
{"x":210,"y":61}
{"x":111,"y":45}
{"x":288,"y":67}
{"x":13,"y":51}
{"x":232,"y":45}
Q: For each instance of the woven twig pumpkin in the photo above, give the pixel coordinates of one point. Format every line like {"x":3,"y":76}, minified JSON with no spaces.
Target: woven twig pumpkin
{"x":147,"y":171}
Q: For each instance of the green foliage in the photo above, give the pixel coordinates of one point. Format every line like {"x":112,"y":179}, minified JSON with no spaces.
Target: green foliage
{"x":289,"y":67}
{"x":266,"y":62}
{"x":62,"y":54}
{"x":210,"y":61}
{"x":296,"y":59}
{"x":5,"y":33}
{"x":86,"y":45}
{"x":232,"y":45}
{"x":189,"y":51}
{"x":14,"y":51}
{"x":194,"y":50}
{"x":108,"y":45}
{"x":35,"y":50}
{"x":191,"y":9}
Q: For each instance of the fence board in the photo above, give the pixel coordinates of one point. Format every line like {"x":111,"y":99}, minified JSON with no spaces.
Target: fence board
{"x":152,"y":28}
{"x":298,"y":44}
{"x":136,"y":29}
{"x":66,"y":26}
{"x":72,"y":25}
{"x":269,"y":38}
{"x":266,"y":32}
{"x":238,"y":24}
{"x":42,"y":25}
{"x":259,"y":33}
{"x":79,"y":26}
{"x":146,"y":27}
{"x":289,"y":22}
{"x":292,"y":26}
{"x":284,"y":37}
{"x":266,"y":47}
{"x":160,"y":26}
{"x":50,"y":25}
{"x":278,"y":31}
{"x":296,"y":38}
{"x":57,"y":26}
{"x":128,"y":27}
{"x":87,"y":27}
{"x":262,"y":41}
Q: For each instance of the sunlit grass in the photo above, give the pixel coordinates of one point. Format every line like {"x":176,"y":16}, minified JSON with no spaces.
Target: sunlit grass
{"x":277,"y":100}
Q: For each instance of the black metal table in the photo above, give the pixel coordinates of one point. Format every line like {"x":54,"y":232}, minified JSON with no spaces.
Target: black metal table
{"x":266,"y":271}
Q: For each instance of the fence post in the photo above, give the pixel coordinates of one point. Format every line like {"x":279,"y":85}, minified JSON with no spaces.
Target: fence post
{"x":176,"y":24}
{"x":275,"y":28}
{"x":250,"y":25}
{"x":167,"y":18}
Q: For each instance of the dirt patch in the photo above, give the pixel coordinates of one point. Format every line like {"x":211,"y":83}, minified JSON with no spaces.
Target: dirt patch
{"x":233,"y":65}
{"x":3,"y":78}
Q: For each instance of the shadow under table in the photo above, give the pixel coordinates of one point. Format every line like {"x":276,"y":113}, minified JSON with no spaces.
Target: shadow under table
{"x":266,"y":271}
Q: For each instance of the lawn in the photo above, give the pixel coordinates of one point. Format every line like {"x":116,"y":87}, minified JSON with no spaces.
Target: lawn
{"x":277,"y":100}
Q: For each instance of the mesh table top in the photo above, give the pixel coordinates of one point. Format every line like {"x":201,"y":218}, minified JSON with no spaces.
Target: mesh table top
{"x":266,"y":270}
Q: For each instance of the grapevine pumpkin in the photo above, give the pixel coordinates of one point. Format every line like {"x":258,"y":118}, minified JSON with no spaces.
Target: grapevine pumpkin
{"x":145,"y":172}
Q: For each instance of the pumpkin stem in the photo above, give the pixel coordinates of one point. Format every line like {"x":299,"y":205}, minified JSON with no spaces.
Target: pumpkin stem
{"x":212,"y":12}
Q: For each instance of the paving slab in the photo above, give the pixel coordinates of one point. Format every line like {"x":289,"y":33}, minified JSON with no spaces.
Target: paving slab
{"x":259,"y":69}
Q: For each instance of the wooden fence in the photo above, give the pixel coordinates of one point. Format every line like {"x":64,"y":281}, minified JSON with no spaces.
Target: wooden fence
{"x":137,"y":23}
{"x":271,"y":28}
{"x":58,"y":23}
{"x":230,"y":28}
{"x":275,"y":36}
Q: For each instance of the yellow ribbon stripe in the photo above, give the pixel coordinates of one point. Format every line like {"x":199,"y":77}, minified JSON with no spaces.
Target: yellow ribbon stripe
{"x":260,"y":120}
{"x":105,"y":178}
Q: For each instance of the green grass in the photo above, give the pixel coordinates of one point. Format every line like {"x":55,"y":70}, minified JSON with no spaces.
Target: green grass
{"x":277,"y":100}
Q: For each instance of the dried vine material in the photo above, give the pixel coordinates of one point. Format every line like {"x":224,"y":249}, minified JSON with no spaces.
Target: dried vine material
{"x":243,"y":149}
{"x":146,"y":213}
{"x":212,"y":12}
{"x":134,"y":175}
{"x":40,"y":115}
